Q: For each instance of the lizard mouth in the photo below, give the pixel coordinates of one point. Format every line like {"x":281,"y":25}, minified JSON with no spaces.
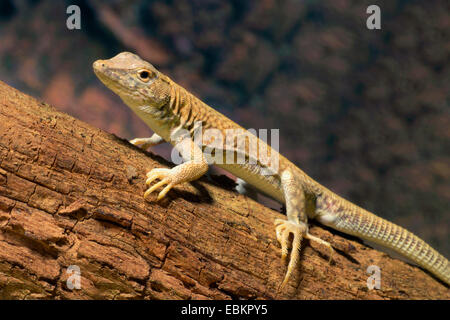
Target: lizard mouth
{"x":99,"y":68}
{"x":105,"y":74}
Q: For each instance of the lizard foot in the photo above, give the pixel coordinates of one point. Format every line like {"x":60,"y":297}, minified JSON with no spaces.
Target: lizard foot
{"x":141,"y":142}
{"x":185,"y":172}
{"x":284,"y":229}
{"x":146,"y":143}
{"x":167,"y":178}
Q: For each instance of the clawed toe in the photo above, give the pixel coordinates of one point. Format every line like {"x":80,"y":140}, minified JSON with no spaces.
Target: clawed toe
{"x":284,"y":229}
{"x":165,"y":176}
{"x":141,"y":143}
{"x":156,"y":173}
{"x":322,"y":242}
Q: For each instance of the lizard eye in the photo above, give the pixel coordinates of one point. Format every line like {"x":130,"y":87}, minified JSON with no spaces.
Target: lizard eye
{"x":144,"y":75}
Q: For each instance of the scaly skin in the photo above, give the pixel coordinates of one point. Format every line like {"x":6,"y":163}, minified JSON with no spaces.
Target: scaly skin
{"x":168,"y":108}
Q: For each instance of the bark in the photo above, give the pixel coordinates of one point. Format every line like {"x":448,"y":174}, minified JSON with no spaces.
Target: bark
{"x":71,"y":194}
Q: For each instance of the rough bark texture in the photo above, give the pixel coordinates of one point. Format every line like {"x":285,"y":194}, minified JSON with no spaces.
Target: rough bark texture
{"x":71,"y":194}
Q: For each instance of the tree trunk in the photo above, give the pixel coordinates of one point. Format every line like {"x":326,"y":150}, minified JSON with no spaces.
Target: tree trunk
{"x":72,"y":195}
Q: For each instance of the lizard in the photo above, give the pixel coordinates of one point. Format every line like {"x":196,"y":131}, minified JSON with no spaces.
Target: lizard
{"x":168,"y":109}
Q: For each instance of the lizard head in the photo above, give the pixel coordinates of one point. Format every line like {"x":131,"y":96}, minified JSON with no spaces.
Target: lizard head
{"x":136,"y":81}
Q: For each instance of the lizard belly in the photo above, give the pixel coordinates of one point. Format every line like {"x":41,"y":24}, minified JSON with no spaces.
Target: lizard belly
{"x":266,"y":184}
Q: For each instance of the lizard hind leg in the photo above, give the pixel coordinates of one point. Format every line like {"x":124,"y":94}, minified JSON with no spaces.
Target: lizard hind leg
{"x":296,"y":223}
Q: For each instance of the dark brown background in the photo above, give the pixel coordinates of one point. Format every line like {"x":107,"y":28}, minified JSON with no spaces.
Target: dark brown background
{"x":364,"y":112}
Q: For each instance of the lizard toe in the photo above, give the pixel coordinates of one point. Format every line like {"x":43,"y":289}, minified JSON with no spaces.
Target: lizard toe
{"x":284,"y":231}
{"x":156,"y":173}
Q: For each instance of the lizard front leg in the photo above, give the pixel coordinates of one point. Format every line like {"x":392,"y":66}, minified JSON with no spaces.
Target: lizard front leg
{"x":146,"y":143}
{"x":194,"y":167}
{"x":296,"y":223}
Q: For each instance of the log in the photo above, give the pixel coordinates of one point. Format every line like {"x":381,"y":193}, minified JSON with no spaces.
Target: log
{"x":72,"y":195}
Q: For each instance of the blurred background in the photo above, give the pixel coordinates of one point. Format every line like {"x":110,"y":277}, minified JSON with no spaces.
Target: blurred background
{"x":364,"y":112}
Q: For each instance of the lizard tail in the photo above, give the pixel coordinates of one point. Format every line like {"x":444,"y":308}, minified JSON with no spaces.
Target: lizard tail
{"x":351,"y":219}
